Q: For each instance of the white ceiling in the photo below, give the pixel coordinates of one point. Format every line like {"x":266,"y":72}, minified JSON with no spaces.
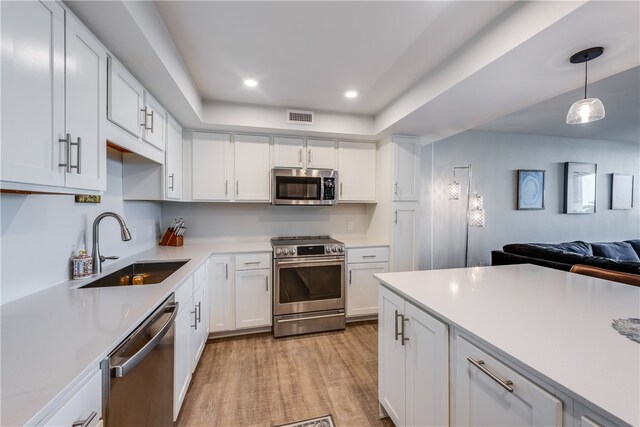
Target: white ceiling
{"x":306,"y":54}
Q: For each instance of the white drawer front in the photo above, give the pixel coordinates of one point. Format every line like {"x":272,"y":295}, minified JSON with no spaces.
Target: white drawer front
{"x":376,"y":254}
{"x":82,"y":405}
{"x":184,"y":293}
{"x":253,"y":261}
{"x":199,"y":276}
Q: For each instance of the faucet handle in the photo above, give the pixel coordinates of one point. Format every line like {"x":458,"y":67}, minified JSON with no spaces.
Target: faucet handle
{"x":103,"y":258}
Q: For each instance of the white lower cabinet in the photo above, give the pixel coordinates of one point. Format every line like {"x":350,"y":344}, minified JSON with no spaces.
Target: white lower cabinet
{"x":362,"y":287}
{"x":413,"y":363}
{"x":253,"y":298}
{"x":199,"y":328}
{"x":181,"y":361}
{"x":83,"y":407}
{"x":221,"y":317}
{"x":586,"y":417}
{"x":487,"y":392}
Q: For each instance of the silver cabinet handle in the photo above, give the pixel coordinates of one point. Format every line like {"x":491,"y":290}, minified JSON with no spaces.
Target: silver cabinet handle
{"x":226,"y":272}
{"x":144,"y":122}
{"x":369,"y":256}
{"x":199,"y":315}
{"x":396,"y":325}
{"x":67,"y":143}
{"x":237,"y":188}
{"x":506,"y":384}
{"x":86,"y":421}
{"x":171,"y":177}
{"x":195,"y":320}
{"x":78,"y":143}
{"x":226,"y":188}
{"x":395,"y":221}
{"x":395,"y":191}
{"x":251,"y":262}
{"x":350,"y":271}
{"x":151,"y":128}
{"x":341,"y":189}
{"x":404,"y":320}
{"x":266,"y":283}
{"x":300,"y":156}
{"x":309,"y":157}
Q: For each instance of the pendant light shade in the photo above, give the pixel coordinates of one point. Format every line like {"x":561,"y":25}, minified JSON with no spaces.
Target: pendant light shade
{"x":454,"y":190}
{"x":586,"y":110}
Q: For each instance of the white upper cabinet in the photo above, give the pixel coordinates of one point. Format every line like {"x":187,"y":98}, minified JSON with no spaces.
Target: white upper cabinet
{"x":125,"y":99}
{"x":153,"y":122}
{"x":252,"y":170}
{"x":212,"y":166}
{"x":321,"y":154}
{"x":173,"y":160}
{"x":357,"y":171}
{"x":289,"y":152}
{"x":405,"y":169}
{"x":40,"y":147}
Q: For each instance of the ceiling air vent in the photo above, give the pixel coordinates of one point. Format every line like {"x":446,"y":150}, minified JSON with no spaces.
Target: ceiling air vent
{"x":300,"y":117}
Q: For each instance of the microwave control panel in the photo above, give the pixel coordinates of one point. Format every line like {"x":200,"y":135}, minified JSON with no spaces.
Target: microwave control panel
{"x":329,"y":188}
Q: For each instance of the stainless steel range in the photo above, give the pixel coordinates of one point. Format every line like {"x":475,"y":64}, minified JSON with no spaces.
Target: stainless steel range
{"x":308,"y":275}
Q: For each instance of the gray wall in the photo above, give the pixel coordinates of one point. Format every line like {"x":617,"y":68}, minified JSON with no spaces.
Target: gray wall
{"x":496,"y":157}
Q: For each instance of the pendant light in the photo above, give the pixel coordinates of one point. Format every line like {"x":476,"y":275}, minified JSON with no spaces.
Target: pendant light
{"x":588,"y":109}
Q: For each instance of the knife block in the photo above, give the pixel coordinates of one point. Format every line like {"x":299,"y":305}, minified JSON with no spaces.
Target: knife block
{"x":170,"y":239}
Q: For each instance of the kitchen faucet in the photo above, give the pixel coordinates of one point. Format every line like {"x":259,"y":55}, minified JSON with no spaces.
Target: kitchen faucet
{"x":95,"y":252}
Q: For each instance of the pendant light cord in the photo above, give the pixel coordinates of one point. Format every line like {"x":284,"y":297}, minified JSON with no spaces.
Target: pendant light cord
{"x":585,"y":78}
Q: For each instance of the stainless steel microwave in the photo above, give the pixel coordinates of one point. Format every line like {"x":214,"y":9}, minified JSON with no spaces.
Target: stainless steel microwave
{"x":304,"y":187}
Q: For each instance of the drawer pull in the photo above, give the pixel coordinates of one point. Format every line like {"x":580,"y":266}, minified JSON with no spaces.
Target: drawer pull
{"x":251,"y":262}
{"x":506,"y":384}
{"x":85,"y":422}
{"x":369,"y":256}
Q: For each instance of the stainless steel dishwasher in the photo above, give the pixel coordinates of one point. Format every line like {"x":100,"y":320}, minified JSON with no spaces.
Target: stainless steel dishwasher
{"x":138,"y":375}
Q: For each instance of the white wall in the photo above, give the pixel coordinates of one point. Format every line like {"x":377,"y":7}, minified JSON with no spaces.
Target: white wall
{"x":40,"y":233}
{"x":496,"y":157}
{"x":246,"y":221}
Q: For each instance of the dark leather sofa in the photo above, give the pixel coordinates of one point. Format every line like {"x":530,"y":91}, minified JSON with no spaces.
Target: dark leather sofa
{"x":616,"y":256}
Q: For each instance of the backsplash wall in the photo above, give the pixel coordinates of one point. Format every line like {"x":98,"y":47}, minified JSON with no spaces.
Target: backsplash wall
{"x":40,"y":233}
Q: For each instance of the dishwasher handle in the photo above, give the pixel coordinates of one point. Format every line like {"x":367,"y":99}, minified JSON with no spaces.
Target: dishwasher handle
{"x":129,"y":363}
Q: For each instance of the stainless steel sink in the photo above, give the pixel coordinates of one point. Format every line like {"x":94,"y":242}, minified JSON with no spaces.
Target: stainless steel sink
{"x":138,"y":274}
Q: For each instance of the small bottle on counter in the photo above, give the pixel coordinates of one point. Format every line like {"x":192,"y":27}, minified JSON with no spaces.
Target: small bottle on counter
{"x":82,"y":264}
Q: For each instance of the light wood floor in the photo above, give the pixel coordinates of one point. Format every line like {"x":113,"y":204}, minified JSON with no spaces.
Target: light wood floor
{"x":256,"y":380}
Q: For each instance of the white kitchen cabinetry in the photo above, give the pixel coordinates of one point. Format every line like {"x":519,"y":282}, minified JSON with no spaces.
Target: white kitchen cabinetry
{"x":153,"y":122}
{"x":289,"y":152}
{"x":488,"y":392}
{"x":52,"y":102}
{"x":199,"y":312}
{"x":586,"y":417}
{"x":413,"y":363}
{"x":357,"y":171}
{"x":212,"y":166}
{"x":362,"y":287}
{"x":321,"y":154}
{"x":82,"y":407}
{"x":403,"y":244}
{"x":253,"y":298}
{"x":173,"y":160}
{"x":405,"y":169}
{"x":125,"y":106}
{"x":181,"y":360}
{"x":221,"y":313}
{"x":252,"y":168}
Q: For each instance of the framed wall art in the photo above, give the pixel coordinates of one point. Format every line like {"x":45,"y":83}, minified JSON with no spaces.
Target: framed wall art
{"x":580,"y":188}
{"x":621,"y":191}
{"x":530,"y":189}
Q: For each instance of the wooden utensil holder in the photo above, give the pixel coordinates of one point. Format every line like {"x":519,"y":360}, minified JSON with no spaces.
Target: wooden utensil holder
{"x":170,"y":239}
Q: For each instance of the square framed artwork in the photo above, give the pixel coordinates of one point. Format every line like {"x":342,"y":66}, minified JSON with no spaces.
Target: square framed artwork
{"x":530,"y":189}
{"x":621,"y":191}
{"x":580,"y":188}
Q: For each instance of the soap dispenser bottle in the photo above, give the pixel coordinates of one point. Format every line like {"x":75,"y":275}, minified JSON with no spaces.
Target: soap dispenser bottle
{"x":82,"y":264}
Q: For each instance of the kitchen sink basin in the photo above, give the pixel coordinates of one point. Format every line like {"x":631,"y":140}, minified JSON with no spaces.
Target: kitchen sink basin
{"x":138,"y":273}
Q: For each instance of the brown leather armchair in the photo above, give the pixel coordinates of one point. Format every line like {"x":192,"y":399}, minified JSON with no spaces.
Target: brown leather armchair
{"x":602,"y":273}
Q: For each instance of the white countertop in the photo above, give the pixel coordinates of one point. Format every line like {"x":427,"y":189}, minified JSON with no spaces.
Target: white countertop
{"x":361,"y":242}
{"x":556,"y":324}
{"x":53,"y":338}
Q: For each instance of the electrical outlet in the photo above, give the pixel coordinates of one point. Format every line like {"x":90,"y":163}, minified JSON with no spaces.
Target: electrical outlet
{"x":350,"y":225}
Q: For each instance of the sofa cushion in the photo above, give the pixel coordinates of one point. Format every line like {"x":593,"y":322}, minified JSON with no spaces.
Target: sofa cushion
{"x":635,"y":244}
{"x":619,"y":251}
{"x":534,"y":249}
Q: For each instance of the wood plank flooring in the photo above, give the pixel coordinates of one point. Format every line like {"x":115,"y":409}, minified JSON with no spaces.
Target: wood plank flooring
{"x":256,"y":380}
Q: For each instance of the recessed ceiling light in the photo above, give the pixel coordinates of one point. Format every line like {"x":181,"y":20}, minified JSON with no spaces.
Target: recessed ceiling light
{"x":351,"y":94}
{"x":250,"y":83}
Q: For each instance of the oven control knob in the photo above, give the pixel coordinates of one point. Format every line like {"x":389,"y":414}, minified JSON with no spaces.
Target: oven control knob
{"x":329,"y":249}
{"x":285,"y":251}
{"x":278,"y":251}
{"x":340,"y":249}
{"x":293,"y":251}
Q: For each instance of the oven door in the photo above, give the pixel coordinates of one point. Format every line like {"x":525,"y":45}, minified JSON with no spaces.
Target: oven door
{"x":308,"y":284}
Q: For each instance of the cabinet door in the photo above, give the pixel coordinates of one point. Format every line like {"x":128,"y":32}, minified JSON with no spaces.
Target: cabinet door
{"x":321,"y":154}
{"x":252,"y":170}
{"x":125,"y":99}
{"x":481,"y":401}
{"x":427,"y":365}
{"x":181,"y":359}
{"x":212,"y":166}
{"x":198,"y":329}
{"x":32,"y":92}
{"x":173,"y":160}
{"x":253,"y":298}
{"x":391,"y":353}
{"x":362,"y":288}
{"x":403,"y":246}
{"x":220,"y":303}
{"x":288,"y":152}
{"x":86,"y":88}
{"x":154,"y":129}
{"x":357,"y":171}
{"x":405,"y":171}
{"x":81,"y":406}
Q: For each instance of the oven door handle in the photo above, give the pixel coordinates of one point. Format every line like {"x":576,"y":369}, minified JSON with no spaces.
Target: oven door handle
{"x":310,"y":318}
{"x":327,"y":261}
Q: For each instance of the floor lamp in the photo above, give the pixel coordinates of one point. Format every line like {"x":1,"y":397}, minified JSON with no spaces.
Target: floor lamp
{"x":475,"y":210}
